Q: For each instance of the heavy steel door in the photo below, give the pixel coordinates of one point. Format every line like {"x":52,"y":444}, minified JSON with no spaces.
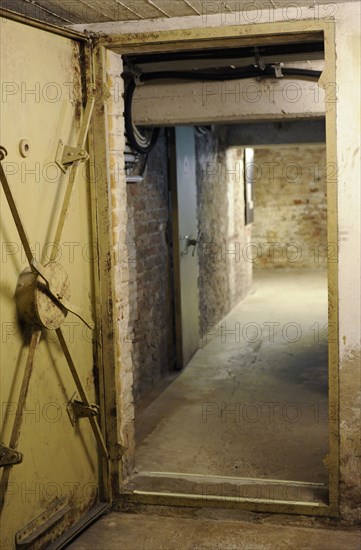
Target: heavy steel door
{"x":52,"y":451}
{"x":185,"y":237}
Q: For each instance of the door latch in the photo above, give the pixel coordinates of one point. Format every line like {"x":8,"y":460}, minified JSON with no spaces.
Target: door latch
{"x":9,"y":457}
{"x":67,"y":155}
{"x":77,"y":409}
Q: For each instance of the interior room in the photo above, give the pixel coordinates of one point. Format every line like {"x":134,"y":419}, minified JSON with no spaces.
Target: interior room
{"x":180,"y":275}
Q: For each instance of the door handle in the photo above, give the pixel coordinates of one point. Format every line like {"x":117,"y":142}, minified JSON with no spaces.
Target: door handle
{"x":190,"y":242}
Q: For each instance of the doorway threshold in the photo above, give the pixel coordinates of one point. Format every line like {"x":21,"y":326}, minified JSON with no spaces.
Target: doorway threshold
{"x":208,"y":488}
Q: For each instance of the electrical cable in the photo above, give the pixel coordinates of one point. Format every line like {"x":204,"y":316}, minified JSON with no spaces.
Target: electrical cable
{"x":233,"y":74}
{"x":140,"y":142}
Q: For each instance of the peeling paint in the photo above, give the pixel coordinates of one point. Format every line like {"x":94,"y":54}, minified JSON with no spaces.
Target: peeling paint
{"x":350,"y":443}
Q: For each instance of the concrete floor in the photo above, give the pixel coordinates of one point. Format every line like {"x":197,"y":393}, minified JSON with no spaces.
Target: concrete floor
{"x":118,"y":531}
{"x":250,"y":404}
{"x":181,"y":429}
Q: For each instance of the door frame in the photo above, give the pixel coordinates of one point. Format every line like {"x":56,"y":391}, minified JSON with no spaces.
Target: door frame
{"x":86,"y":63}
{"x":230,"y":36}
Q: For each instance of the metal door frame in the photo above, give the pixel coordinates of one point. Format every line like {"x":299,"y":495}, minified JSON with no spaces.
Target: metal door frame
{"x":230,"y":36}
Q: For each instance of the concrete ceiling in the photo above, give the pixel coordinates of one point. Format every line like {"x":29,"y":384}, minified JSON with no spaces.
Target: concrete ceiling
{"x":69,"y":12}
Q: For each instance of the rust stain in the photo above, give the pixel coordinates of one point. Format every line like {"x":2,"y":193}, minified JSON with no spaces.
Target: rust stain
{"x":77,"y":92}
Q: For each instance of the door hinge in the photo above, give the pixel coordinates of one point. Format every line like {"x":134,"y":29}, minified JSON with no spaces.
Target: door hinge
{"x":9,"y":457}
{"x":117,"y":452}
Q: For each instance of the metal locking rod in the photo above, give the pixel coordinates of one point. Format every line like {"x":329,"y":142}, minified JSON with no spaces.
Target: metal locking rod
{"x":72,"y":176}
{"x":94,"y":424}
{"x":15,"y":433}
{"x":15,"y":212}
{"x":36,"y":266}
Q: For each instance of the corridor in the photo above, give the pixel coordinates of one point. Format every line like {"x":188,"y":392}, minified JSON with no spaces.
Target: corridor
{"x":252,"y":403}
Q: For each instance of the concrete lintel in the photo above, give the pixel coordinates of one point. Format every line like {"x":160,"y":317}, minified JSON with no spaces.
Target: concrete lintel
{"x":170,"y":103}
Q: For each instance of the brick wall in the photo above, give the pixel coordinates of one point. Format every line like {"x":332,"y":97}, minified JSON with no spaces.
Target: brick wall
{"x":139,"y":264}
{"x":290,"y":208}
{"x":224,"y":276}
{"x":146,"y":321}
{"x":148,"y":251}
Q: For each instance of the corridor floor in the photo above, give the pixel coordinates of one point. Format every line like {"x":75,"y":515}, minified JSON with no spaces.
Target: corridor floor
{"x":252,"y":403}
{"x":150,"y":532}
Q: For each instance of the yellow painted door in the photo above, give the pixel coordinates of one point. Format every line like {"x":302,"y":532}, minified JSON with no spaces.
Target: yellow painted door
{"x":58,"y":482}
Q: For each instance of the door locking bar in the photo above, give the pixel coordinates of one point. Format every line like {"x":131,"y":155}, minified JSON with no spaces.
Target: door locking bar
{"x":72,"y":175}
{"x":9,"y":457}
{"x":66,"y":155}
{"x":86,"y":406}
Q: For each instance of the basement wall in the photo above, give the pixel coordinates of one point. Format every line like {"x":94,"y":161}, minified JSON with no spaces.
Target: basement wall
{"x":138,"y":304}
{"x":145,"y":294}
{"x":290,"y":224}
{"x":224,"y":276}
{"x":150,"y":309}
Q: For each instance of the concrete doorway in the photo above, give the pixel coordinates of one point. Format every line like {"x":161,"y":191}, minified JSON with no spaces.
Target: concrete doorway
{"x":171,"y":497}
